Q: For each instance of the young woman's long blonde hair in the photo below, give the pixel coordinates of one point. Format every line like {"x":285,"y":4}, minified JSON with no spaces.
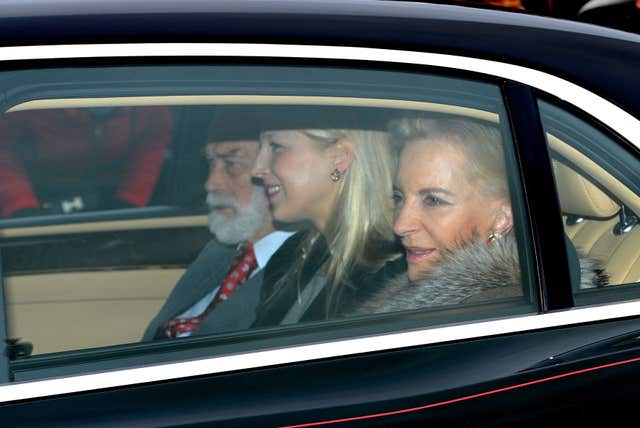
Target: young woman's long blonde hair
{"x":359,"y":232}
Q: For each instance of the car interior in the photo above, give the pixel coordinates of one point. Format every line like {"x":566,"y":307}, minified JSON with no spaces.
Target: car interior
{"x":598,"y":213}
{"x":76,"y":274}
{"x":122,"y":274}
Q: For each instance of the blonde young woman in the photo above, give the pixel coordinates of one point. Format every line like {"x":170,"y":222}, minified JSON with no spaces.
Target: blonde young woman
{"x":338,"y":181}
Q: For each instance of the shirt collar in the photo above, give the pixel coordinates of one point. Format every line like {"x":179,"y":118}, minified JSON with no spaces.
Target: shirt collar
{"x":268,"y":245}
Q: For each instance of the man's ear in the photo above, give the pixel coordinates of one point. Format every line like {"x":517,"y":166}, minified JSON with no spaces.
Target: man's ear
{"x":342,"y":155}
{"x":503,"y":219}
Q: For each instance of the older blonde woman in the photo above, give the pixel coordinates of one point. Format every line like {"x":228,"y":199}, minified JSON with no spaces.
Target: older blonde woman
{"x":338,"y":181}
{"x":453,"y":216}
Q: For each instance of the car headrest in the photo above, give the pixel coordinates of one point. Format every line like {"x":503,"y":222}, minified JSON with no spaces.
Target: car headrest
{"x":579,"y":196}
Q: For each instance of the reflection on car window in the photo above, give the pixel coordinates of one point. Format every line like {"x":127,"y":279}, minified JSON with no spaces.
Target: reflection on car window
{"x":60,"y":161}
{"x":599,"y":199}
{"x":257,"y":211}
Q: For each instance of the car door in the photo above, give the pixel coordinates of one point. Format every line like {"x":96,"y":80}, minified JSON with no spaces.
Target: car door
{"x":495,"y":362}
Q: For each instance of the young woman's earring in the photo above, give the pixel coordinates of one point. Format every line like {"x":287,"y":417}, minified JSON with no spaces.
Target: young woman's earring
{"x":335,"y":175}
{"x":493,"y":236}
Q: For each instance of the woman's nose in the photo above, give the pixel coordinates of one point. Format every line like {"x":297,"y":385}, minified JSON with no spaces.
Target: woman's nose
{"x":261,"y":168}
{"x":405,"y":223}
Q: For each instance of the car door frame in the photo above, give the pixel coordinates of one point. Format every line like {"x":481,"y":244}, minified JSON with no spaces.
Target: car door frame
{"x":545,"y":225}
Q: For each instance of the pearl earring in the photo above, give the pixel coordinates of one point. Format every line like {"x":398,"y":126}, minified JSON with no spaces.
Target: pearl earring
{"x":493,"y":236}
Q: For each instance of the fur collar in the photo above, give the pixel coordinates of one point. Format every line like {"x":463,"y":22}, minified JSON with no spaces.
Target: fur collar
{"x":474,"y":273}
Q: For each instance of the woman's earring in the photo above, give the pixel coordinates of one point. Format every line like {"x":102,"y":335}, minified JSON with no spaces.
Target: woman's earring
{"x":335,"y":175}
{"x":493,"y":236}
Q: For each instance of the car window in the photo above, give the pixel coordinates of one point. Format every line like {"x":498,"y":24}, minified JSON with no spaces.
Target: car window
{"x":597,"y":178}
{"x":66,"y":160}
{"x":171,"y":212}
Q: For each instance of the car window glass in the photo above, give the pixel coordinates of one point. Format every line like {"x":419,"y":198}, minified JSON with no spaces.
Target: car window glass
{"x":597,"y":180}
{"x":234,"y":208}
{"x":61,"y":161}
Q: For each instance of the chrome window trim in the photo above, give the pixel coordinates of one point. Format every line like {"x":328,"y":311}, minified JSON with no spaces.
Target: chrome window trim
{"x":309,"y":352}
{"x":607,"y":112}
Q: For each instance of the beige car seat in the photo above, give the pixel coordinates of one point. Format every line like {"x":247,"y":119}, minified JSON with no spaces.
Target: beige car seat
{"x":591,"y":217}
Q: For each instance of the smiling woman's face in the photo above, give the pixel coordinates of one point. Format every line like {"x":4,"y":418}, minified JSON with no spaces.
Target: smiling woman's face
{"x":295,"y":171}
{"x":437,"y":208}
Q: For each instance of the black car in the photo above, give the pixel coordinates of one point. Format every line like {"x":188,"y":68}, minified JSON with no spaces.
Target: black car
{"x":83,"y":276}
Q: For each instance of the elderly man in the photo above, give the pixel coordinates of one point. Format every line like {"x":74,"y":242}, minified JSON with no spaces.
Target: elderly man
{"x":220,"y":290}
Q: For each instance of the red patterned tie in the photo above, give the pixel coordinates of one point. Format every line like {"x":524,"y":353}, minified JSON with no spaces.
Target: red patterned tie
{"x":243,"y":263}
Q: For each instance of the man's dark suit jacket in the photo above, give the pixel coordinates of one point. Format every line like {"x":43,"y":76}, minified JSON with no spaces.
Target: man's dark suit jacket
{"x":202,"y":276}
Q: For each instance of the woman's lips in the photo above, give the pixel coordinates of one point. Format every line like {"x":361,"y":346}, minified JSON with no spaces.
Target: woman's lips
{"x":417,"y":254}
{"x":272,"y":191}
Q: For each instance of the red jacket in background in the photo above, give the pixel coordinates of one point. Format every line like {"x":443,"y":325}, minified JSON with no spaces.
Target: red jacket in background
{"x":66,"y":146}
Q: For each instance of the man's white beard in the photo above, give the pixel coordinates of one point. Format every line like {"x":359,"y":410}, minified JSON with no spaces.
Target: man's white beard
{"x":248,"y":219}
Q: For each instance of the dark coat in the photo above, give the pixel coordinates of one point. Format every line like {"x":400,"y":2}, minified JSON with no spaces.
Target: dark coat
{"x":202,"y":276}
{"x":278,"y":296}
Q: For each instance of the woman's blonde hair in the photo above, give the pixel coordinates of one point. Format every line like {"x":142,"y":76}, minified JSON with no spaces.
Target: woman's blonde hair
{"x":359,"y":233}
{"x":481,"y":143}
